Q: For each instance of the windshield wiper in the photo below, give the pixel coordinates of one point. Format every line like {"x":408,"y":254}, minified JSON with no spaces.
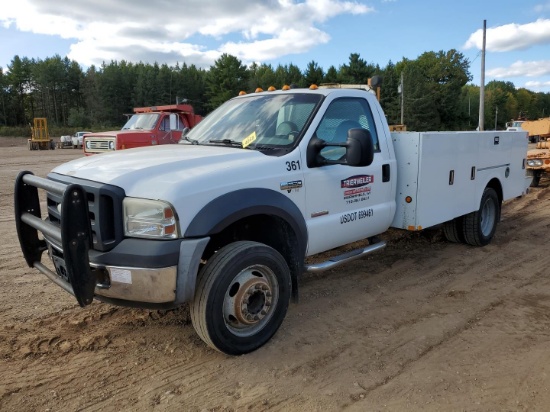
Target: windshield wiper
{"x":228,"y":142}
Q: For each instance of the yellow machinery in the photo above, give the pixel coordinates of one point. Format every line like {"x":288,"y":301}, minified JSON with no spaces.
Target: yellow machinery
{"x":40,"y":139}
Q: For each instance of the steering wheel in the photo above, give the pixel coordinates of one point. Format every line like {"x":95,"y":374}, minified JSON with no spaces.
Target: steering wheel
{"x":288,"y":129}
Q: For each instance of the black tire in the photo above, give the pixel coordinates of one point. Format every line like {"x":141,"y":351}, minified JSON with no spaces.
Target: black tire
{"x":453,"y":230}
{"x":479,"y":227}
{"x":241,"y":298}
{"x":536,"y":178}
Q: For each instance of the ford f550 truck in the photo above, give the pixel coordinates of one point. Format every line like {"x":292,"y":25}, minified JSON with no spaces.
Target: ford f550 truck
{"x":225,"y":219}
{"x":148,"y":126}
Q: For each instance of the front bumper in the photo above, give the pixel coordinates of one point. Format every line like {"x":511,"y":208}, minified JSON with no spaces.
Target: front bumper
{"x":136,"y":272}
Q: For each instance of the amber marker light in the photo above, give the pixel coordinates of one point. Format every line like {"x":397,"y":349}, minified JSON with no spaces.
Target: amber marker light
{"x":259,"y":89}
{"x":313,"y":87}
{"x":286,"y":87}
{"x":271,"y":89}
{"x":242,"y":93}
{"x":408,"y":199}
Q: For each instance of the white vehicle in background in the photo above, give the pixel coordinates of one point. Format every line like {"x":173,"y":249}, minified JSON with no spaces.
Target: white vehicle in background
{"x":77,"y":139}
{"x":514,"y":126}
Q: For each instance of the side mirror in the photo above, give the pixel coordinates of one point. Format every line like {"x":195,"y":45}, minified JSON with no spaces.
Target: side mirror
{"x":360,"y":148}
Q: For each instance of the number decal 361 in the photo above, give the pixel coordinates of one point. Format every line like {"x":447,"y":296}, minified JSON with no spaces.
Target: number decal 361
{"x":293,"y":165}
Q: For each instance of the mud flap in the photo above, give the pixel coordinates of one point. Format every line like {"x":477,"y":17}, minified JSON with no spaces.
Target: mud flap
{"x":76,"y":240}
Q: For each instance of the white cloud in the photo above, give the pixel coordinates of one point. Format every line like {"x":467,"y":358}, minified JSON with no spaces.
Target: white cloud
{"x":538,"y":85}
{"x":512,"y":36}
{"x":167,"y":31}
{"x":521,"y":69}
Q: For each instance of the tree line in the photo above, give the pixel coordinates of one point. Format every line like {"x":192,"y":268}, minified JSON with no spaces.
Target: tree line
{"x":436,"y":91}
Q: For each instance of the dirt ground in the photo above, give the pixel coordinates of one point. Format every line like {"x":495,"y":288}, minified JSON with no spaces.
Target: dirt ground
{"x":424,"y":325}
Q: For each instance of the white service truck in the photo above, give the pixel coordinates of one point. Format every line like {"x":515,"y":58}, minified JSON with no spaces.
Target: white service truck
{"x":226,"y":219}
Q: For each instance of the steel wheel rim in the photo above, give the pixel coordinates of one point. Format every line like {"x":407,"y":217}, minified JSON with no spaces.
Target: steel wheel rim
{"x":250,"y":300}
{"x":488,"y":217}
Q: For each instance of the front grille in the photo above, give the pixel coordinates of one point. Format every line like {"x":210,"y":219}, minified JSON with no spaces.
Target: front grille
{"x":99,"y":145}
{"x":105,"y":210}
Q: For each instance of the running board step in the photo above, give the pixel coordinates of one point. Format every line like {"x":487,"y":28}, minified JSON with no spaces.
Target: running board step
{"x":345,"y":258}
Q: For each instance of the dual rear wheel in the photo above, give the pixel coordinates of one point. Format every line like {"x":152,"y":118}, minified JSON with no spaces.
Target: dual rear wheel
{"x":476,"y":228}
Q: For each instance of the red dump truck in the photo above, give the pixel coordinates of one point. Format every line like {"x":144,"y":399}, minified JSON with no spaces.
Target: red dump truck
{"x":148,"y":126}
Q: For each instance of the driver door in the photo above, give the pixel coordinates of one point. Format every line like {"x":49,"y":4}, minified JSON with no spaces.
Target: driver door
{"x":345,"y":203}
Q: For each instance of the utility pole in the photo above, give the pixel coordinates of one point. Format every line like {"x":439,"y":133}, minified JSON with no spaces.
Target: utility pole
{"x":482,"y":85}
{"x":496,"y":116}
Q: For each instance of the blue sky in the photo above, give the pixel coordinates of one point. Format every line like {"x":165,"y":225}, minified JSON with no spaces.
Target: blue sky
{"x":284,"y":31}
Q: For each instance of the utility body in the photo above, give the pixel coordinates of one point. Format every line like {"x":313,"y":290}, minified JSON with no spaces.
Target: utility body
{"x":226,"y":219}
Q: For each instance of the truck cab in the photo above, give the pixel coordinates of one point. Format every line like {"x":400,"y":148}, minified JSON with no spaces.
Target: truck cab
{"x":148,"y":126}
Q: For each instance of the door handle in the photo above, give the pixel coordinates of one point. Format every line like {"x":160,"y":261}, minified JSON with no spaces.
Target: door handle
{"x":386,"y":173}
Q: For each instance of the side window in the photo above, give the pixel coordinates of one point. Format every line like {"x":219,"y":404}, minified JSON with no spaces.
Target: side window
{"x":165,"y":124}
{"x":342,"y":115}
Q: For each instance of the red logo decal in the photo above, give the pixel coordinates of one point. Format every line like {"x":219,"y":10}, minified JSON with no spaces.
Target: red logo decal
{"x":356,"y":181}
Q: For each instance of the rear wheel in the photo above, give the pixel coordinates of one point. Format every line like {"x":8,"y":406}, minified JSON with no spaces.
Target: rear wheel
{"x":453,"y":230}
{"x":241,"y":297}
{"x":480,"y":226}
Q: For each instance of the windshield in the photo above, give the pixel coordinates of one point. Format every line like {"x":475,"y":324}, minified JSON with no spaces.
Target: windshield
{"x":257,"y":121}
{"x":517,"y":124}
{"x":142,"y":121}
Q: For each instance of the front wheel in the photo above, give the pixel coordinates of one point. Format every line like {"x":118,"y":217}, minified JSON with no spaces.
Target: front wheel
{"x":479,"y":227}
{"x":241,"y":297}
{"x":536,"y":178}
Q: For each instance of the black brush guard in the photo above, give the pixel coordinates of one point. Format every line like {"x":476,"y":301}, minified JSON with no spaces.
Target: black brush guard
{"x":74,"y":234}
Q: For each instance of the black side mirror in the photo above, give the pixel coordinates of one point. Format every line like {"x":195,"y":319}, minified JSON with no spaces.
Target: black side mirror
{"x":360,"y":148}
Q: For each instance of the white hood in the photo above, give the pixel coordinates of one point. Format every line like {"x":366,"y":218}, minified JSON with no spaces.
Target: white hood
{"x":150,"y":171}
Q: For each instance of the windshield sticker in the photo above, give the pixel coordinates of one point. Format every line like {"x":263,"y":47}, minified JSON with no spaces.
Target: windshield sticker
{"x":249,"y":139}
{"x":290,"y":186}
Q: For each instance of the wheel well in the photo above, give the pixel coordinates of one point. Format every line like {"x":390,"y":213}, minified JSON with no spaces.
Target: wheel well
{"x":495,"y":184}
{"x":270,"y":230}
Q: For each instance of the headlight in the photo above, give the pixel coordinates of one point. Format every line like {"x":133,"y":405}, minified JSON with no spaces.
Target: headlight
{"x":88,"y":144}
{"x":152,"y":219}
{"x":534,"y":162}
{"x":111,"y":145}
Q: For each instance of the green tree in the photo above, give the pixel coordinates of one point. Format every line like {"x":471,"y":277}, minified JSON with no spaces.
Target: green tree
{"x":390,"y":98}
{"x":193,"y":88}
{"x":313,"y":74}
{"x":445,"y":73}
{"x":421,"y":112}
{"x":19,"y":90}
{"x":357,"y":70}
{"x":226,"y":78}
{"x":331,"y":76}
{"x":3,"y":98}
